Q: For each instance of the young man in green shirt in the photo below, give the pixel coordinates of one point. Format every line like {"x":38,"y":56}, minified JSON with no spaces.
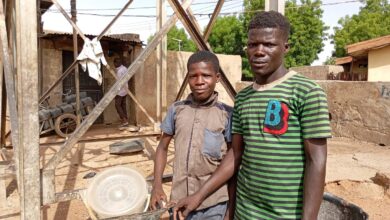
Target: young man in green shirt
{"x":280,"y":129}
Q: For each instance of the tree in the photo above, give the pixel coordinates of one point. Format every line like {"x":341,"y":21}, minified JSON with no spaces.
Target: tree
{"x":330,"y":61}
{"x":227,"y":36}
{"x":306,"y":40}
{"x":308,"y":32}
{"x":372,"y":21}
{"x":177,"y":39}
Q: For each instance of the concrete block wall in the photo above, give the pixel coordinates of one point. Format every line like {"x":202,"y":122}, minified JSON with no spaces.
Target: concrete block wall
{"x":359,"y":110}
{"x":318,"y":72}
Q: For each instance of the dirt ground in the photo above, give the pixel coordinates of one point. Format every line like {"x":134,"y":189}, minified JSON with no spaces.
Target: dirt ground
{"x":357,"y":172}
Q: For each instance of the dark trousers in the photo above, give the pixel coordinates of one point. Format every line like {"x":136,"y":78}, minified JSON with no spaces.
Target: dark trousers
{"x":120,"y":105}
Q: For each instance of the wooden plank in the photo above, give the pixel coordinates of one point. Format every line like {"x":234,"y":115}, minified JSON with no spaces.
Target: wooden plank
{"x":114,"y":19}
{"x":73,"y":65}
{"x":161,"y":67}
{"x":73,"y":12}
{"x":27,"y":73}
{"x":3,"y":107}
{"x":132,"y":96}
{"x":48,"y":186}
{"x":213,"y":18}
{"x":201,"y":44}
{"x":108,"y":97}
{"x":10,"y":86}
{"x":3,"y":190}
{"x":68,"y":195}
{"x":63,"y":12}
{"x":57,"y":82}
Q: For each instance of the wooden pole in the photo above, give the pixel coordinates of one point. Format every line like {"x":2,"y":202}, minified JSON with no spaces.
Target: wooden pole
{"x":275,"y":5}
{"x":3,"y":107}
{"x":161,"y":67}
{"x":108,"y":97}
{"x":27,"y":73}
{"x":201,"y":44}
{"x":73,"y":65}
{"x":73,"y":12}
{"x":113,"y":20}
{"x":10,"y":84}
{"x":132,"y":96}
{"x":69,"y":19}
{"x":213,"y":18}
{"x":158,"y":66}
{"x":48,"y":185}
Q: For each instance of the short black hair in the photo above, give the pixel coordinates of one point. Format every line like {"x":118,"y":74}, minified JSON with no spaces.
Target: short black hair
{"x":204,"y":56}
{"x":270,"y":19}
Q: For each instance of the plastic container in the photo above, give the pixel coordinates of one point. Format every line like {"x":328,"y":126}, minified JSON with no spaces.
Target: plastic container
{"x":117,"y":191}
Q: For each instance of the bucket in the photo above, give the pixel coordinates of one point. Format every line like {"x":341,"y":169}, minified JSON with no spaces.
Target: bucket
{"x":335,"y":208}
{"x":117,"y":191}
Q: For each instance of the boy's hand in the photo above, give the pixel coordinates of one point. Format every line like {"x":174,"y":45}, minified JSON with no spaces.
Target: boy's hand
{"x":228,"y":215}
{"x":158,"y":195}
{"x":186,"y":205}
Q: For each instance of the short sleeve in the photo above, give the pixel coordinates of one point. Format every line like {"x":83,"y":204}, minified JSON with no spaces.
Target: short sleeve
{"x":236,"y":119}
{"x":228,"y":128}
{"x":168,"y":124}
{"x":315,"y":115}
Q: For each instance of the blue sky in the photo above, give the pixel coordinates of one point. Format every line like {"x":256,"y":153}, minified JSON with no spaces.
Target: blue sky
{"x":94,"y":15}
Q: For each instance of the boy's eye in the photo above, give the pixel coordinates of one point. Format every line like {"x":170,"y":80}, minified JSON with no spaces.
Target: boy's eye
{"x":251,"y":45}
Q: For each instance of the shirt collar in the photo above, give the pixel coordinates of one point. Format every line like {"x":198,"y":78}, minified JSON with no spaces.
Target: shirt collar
{"x":209,"y":102}
{"x":270,"y":85}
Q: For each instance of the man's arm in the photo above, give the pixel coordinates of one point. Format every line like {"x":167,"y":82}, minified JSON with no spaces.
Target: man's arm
{"x":314,"y":179}
{"x":159,"y":166}
{"x":229,"y":166}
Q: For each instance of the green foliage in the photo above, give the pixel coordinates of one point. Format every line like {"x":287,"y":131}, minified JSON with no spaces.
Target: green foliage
{"x":330,"y":61}
{"x":227,"y":36}
{"x":176,"y":38}
{"x":308,"y":32}
{"x":372,"y":21}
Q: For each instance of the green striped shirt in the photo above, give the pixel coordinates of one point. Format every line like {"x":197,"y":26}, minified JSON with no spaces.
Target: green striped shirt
{"x":274,"y":122}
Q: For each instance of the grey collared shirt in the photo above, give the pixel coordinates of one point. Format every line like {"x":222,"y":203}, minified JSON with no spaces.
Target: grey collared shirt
{"x":201,"y":133}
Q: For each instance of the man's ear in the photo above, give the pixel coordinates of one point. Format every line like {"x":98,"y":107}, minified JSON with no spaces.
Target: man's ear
{"x":286,"y":47}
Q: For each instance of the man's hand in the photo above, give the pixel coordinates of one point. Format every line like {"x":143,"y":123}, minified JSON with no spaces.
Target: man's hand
{"x":158,"y":196}
{"x":185,"y":206}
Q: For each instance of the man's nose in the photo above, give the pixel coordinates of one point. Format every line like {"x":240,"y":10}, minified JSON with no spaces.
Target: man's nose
{"x":260,"y":50}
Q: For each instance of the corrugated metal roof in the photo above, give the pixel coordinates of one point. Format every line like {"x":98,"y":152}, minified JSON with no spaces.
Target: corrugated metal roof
{"x":123,"y":37}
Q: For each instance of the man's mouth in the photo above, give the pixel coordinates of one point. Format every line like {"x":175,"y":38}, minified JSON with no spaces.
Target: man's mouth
{"x":259,"y":63}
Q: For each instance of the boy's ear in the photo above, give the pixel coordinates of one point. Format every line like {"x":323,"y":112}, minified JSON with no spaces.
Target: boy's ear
{"x":218,"y":77}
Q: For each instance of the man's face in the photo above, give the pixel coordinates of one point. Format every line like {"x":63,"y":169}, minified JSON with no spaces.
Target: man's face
{"x":202,"y":79}
{"x":266,"y":49}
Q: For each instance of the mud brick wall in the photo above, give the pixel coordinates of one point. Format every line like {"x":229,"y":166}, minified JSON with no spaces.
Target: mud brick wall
{"x":359,"y":110}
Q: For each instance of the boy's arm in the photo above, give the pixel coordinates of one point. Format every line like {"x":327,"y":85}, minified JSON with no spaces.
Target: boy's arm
{"x":314,"y":179}
{"x":223,"y":173}
{"x":159,"y":166}
{"x":232,"y":184}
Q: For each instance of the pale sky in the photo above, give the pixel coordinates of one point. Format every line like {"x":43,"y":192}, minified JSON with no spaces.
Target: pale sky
{"x":94,"y":15}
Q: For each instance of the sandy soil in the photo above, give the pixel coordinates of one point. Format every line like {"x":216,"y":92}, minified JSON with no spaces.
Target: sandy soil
{"x":351,"y":169}
{"x":359,"y":173}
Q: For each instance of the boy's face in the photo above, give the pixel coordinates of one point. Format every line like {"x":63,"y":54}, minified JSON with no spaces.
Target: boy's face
{"x":202,"y":79}
{"x":266,"y":50}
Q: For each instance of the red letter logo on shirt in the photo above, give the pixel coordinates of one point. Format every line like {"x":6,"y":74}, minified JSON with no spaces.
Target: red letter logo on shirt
{"x":276,"y":118}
